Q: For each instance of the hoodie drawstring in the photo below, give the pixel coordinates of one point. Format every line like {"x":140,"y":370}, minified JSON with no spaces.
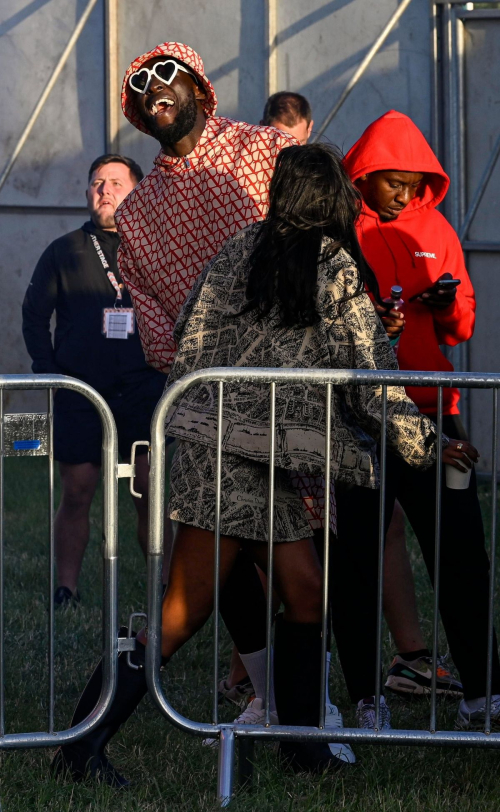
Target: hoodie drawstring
{"x":390,"y":251}
{"x":396,"y":231}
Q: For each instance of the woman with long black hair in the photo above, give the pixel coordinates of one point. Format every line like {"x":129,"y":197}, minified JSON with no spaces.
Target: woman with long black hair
{"x":288,"y":292}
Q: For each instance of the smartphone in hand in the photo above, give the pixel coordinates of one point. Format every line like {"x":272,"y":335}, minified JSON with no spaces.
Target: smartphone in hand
{"x":440,"y":284}
{"x":447,"y":284}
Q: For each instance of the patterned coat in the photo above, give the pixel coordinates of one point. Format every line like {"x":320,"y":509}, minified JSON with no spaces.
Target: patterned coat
{"x":211,"y":334}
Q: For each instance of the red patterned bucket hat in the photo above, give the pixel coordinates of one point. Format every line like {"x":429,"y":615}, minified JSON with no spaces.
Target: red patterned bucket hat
{"x":179,"y":51}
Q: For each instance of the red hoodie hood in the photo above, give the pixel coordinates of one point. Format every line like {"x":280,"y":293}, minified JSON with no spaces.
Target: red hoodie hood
{"x":394,"y":142}
{"x":184,"y":54}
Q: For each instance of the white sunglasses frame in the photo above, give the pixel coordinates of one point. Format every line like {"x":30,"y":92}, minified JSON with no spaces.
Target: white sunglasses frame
{"x":152,"y":73}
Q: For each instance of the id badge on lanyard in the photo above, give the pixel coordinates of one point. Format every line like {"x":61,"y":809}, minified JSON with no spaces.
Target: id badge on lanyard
{"x":117,"y":322}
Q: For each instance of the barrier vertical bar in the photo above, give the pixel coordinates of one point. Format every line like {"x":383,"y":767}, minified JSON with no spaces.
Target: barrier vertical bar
{"x":491,"y":600}
{"x":225,"y":766}
{"x":270,"y":558}
{"x":2,"y":669}
{"x":218,"y":480}
{"x":50,"y":450}
{"x":437,"y":556}
{"x":156,"y":514}
{"x":326,"y":556}
{"x":110,"y":551}
{"x":381,"y":547}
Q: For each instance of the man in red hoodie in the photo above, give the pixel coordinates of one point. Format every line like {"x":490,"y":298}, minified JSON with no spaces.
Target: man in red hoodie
{"x":408,"y":243}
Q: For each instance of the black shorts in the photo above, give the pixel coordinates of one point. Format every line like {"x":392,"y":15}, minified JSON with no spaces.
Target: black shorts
{"x":77,"y":425}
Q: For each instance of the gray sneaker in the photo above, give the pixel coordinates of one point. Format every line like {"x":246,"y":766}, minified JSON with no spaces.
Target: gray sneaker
{"x":240,"y":694}
{"x":474,"y":720}
{"x":409,"y":677}
{"x":365,"y":714}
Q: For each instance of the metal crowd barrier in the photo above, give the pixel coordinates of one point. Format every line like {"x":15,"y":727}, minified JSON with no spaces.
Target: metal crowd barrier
{"x":245,"y":735}
{"x":32,"y":435}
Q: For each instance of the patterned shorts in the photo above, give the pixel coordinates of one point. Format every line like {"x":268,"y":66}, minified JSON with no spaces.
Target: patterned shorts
{"x":244,"y":496}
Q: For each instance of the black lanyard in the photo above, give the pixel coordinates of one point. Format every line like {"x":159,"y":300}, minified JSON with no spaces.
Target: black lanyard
{"x":109,"y":273}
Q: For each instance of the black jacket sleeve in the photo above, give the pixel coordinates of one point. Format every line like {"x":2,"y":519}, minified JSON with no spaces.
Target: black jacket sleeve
{"x":38,"y":306}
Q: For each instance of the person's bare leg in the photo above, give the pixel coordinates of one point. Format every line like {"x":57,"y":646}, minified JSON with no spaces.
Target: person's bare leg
{"x":237,"y":671}
{"x":71,"y":524}
{"x":298,"y":579}
{"x":400,"y":605}
{"x":188,"y":601}
{"x":141,"y":485}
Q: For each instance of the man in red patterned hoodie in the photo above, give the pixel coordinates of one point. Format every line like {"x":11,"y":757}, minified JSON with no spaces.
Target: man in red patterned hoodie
{"x":408,"y":243}
{"x":210,"y":179}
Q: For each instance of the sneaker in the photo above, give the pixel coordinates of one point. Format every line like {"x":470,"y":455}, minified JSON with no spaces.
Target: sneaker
{"x":64,"y":597}
{"x":240,"y":694}
{"x":415,"y":676}
{"x":344,"y":752}
{"x":254,"y":714}
{"x":365,"y":714}
{"x":474,"y":720}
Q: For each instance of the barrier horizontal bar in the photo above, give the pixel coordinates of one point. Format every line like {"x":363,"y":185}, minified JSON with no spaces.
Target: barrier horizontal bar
{"x":337,"y":377}
{"x":361,"y":736}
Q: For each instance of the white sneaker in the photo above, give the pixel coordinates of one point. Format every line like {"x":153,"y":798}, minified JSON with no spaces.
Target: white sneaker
{"x":344,"y":752}
{"x":365,"y":714}
{"x":475,"y":720}
{"x":254,"y":714}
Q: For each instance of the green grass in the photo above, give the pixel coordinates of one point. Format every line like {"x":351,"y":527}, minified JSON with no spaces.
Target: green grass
{"x":171,"y":770}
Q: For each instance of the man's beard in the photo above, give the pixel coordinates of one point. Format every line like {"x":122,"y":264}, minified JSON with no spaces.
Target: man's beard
{"x":170,"y":134}
{"x":104,"y":219}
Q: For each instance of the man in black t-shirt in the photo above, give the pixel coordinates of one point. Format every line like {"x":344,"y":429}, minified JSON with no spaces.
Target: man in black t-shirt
{"x":95,"y":340}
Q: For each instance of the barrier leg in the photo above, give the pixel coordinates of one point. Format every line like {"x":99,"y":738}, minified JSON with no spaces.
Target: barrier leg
{"x":225,"y":774}
{"x":245,"y":762}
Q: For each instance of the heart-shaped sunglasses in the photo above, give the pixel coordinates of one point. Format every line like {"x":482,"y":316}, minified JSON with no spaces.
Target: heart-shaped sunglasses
{"x":164,"y":71}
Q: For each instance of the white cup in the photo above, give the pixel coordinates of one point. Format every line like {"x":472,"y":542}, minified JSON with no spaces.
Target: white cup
{"x":457,"y":480}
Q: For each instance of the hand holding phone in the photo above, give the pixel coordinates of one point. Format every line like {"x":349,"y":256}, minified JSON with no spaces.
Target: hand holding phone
{"x":442,"y":294}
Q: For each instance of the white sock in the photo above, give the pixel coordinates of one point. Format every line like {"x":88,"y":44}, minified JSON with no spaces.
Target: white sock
{"x":255,"y":664}
{"x":327,"y":687}
{"x":471,"y":705}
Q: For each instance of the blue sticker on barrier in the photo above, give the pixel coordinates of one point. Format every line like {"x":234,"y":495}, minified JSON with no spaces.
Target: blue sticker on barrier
{"x":26,"y":445}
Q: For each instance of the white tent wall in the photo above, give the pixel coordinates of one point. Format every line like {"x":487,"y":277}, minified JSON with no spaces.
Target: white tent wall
{"x":319,"y":45}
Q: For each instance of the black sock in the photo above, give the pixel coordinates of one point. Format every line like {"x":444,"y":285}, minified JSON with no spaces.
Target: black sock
{"x":415,"y":655}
